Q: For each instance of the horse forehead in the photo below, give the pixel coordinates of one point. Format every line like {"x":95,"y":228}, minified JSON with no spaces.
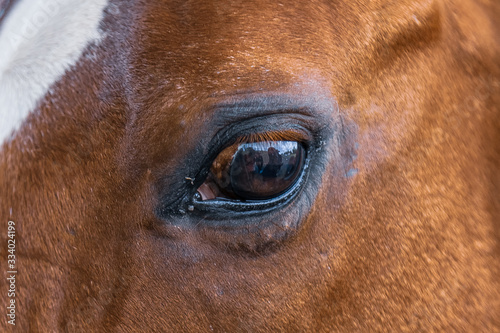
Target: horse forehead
{"x":222,"y":46}
{"x":55,"y":33}
{"x":40,"y":40}
{"x":221,"y":39}
{"x":188,"y":47}
{"x":183,"y":57}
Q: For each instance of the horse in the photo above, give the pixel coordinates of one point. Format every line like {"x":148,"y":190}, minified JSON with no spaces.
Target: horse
{"x":135,"y":136}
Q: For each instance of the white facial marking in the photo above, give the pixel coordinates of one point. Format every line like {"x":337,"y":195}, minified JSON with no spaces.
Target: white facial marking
{"x":39,"y":41}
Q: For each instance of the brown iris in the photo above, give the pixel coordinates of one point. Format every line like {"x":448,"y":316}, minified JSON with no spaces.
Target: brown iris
{"x":254,"y":171}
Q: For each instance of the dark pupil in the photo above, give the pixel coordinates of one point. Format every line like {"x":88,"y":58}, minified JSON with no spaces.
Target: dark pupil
{"x":263,"y":170}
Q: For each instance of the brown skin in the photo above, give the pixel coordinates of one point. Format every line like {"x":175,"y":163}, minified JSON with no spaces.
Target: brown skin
{"x":410,"y":243}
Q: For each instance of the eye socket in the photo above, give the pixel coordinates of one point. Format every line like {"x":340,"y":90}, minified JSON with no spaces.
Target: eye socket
{"x":254,"y":171}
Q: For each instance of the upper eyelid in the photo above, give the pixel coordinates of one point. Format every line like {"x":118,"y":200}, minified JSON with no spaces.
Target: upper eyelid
{"x":282,"y":132}
{"x":315,"y":108}
{"x":280,"y":135}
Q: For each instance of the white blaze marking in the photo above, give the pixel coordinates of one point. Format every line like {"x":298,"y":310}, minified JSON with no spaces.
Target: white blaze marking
{"x":39,"y":41}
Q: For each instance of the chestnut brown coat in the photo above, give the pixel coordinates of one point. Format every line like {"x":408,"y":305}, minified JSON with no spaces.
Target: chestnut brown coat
{"x":396,"y":227}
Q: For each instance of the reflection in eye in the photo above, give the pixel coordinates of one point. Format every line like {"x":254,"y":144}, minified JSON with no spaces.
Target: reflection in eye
{"x":254,"y":171}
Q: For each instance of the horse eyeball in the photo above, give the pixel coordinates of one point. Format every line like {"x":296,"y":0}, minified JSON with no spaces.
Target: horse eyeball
{"x":255,"y":171}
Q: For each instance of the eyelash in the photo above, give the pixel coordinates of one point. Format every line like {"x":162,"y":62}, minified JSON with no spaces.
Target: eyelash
{"x":285,"y":135}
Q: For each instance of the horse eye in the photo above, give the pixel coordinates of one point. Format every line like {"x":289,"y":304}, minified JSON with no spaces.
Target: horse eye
{"x":254,"y":171}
